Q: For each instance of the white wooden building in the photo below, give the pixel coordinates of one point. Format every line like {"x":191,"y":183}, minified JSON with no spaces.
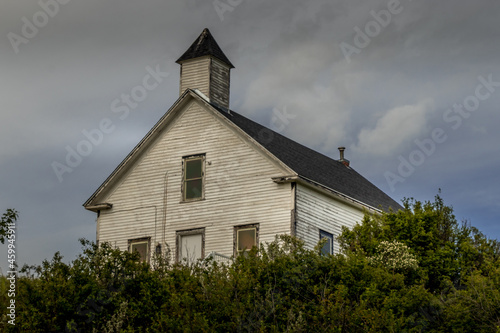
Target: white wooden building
{"x":207,"y":179}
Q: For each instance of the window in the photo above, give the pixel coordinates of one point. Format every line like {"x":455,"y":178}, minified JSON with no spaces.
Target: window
{"x":328,"y":245}
{"x":190,"y":245}
{"x":246,"y":237}
{"x":193,"y":176}
{"x":141,"y":246}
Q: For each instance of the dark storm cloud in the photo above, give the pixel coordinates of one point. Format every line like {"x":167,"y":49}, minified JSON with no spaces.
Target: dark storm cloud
{"x":287,"y":54}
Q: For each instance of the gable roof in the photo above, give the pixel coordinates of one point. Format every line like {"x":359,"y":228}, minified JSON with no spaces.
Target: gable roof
{"x":94,"y":202}
{"x":312,"y":165}
{"x":205,"y":45}
{"x":307,"y":163}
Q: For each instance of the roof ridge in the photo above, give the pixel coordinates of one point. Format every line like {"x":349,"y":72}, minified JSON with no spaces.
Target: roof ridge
{"x":314,"y":165}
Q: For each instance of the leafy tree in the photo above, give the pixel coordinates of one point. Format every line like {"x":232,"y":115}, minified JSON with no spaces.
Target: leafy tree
{"x":446,"y":251}
{"x":415,"y":270}
{"x":394,"y":255}
{"x":456,"y":263}
{"x":8,"y":218}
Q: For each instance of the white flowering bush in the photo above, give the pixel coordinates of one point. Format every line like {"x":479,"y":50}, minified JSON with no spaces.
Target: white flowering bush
{"x":394,"y":255}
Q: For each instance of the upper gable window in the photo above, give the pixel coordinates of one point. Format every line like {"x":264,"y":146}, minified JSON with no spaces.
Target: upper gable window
{"x":193,"y":177}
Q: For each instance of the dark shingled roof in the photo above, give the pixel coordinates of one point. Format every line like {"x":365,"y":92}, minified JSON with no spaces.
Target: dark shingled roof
{"x":205,"y":45}
{"x":313,"y":165}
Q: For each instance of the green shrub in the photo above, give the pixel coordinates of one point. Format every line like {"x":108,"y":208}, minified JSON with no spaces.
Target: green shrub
{"x":414,"y":270}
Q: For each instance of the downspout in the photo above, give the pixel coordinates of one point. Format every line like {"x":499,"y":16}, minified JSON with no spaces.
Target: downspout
{"x":97,"y":227}
{"x":165,"y":208}
{"x":293,"y":219}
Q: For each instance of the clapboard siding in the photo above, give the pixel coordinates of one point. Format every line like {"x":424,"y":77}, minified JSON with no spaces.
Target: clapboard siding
{"x":195,"y":74}
{"x":238,"y":189}
{"x":315,"y":211}
{"x":219,"y":83}
{"x":134,"y":223}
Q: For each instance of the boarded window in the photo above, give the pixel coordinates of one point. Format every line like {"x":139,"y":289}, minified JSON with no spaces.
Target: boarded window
{"x":190,"y":245}
{"x":328,"y":245}
{"x":193,"y":177}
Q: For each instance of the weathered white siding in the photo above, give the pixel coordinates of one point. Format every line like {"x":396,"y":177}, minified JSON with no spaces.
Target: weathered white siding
{"x":210,"y":76}
{"x":238,"y":189}
{"x":219,"y":83}
{"x":195,"y":74}
{"x":315,"y":211}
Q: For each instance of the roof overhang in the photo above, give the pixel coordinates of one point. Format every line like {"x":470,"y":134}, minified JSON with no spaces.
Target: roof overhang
{"x":99,"y":206}
{"x":325,"y":190}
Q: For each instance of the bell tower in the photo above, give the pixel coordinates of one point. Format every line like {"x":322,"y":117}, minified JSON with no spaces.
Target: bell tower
{"x":205,"y":67}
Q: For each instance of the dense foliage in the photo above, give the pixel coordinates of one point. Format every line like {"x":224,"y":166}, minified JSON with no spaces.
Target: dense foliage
{"x":415,"y":270}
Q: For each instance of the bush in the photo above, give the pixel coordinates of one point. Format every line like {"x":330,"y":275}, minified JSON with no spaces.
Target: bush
{"x":414,"y":270}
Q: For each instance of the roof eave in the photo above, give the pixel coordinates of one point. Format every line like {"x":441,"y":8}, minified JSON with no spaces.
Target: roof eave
{"x":227,"y":62}
{"x":98,"y":207}
{"x":326,"y":190}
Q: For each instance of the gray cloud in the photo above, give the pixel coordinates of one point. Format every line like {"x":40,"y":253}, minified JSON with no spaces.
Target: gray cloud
{"x":287,"y":54}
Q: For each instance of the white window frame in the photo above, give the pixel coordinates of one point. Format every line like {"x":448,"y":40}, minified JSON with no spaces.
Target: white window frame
{"x":180,"y":234}
{"x":185,"y":159}
{"x":237,"y":229}
{"x":329,"y":235}
{"x":146,"y":240}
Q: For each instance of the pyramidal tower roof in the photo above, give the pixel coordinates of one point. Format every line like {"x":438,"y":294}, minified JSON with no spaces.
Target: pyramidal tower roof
{"x":205,"y":45}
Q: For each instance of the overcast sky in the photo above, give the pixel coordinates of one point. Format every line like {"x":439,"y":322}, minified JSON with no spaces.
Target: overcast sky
{"x":411,"y":88}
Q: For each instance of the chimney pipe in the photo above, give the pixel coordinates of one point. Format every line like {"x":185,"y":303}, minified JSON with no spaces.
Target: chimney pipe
{"x":342,"y":159}
{"x":341,"y":150}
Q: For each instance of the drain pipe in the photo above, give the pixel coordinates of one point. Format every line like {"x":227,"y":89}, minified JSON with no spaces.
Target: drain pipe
{"x":165,"y":208}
